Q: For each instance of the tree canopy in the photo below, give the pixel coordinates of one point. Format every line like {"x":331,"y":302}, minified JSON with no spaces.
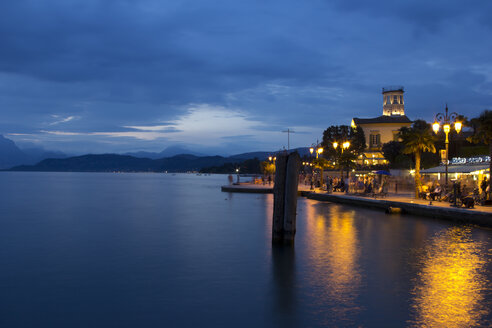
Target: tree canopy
{"x":340,"y":134}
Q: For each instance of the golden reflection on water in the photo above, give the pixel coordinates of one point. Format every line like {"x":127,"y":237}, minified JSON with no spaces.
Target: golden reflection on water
{"x":451,"y":284}
{"x":333,"y":249}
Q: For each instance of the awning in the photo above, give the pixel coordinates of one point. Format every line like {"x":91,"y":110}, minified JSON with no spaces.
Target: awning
{"x":456,"y":168}
{"x":376,"y":155}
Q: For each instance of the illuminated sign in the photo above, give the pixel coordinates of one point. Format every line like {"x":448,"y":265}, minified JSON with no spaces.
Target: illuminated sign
{"x":470,"y":160}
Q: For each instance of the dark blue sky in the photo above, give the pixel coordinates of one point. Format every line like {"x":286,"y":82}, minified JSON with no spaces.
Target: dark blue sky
{"x":228,"y":76}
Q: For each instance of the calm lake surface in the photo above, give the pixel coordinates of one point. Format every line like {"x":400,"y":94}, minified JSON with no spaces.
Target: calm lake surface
{"x":162,"y":250}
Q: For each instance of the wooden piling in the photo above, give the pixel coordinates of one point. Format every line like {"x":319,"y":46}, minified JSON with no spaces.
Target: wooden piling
{"x":285,"y":197}
{"x":290,"y":206}
{"x":279,"y":197}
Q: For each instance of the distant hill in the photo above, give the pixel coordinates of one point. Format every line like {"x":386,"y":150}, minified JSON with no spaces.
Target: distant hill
{"x":15,"y":159}
{"x":168,"y":152}
{"x":124,"y":163}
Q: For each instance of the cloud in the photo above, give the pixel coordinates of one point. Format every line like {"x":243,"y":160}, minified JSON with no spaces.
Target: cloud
{"x":127,"y":70}
{"x":60,"y":119}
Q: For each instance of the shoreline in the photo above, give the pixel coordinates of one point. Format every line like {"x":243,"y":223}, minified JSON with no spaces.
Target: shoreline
{"x":479,"y":216}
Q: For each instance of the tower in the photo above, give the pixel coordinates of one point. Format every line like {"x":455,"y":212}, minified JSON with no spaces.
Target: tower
{"x":393,"y":101}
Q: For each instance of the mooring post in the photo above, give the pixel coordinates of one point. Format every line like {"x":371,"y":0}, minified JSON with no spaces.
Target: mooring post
{"x":291,"y":186}
{"x":285,"y":197}
{"x":279,"y":198}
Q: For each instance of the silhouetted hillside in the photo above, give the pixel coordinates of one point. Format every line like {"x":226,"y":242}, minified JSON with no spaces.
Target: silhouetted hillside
{"x":124,"y":163}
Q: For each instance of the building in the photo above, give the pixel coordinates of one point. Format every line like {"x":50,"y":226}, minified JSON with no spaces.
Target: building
{"x":384,"y":128}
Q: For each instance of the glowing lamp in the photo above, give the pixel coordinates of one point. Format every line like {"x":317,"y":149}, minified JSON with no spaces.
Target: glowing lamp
{"x":446,"y":128}
{"x":435,"y":127}
{"x":320,"y":150}
{"x":346,"y":145}
{"x":457,"y":126}
{"x":270,"y":158}
{"x":335,"y":145}
{"x":311,"y":150}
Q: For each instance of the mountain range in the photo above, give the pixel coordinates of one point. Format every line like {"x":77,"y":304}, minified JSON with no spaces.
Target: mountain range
{"x":11,"y":154}
{"x":171,"y":159}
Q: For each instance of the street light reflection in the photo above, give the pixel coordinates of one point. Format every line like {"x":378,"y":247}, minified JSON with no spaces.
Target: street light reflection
{"x":334,"y":256}
{"x":451,"y":285}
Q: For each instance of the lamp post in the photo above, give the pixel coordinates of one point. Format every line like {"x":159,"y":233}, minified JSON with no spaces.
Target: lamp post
{"x":311,"y":150}
{"x":447,"y":121}
{"x":345,"y":145}
{"x":319,"y":150}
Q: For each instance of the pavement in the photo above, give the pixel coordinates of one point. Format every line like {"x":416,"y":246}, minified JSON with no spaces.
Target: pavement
{"x":403,"y":197}
{"x":408,"y":197}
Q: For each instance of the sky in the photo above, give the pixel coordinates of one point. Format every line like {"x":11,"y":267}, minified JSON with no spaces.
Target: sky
{"x":226,"y":77}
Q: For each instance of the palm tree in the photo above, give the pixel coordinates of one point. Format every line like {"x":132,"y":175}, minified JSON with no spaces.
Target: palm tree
{"x":417,"y":139}
{"x":483,"y":133}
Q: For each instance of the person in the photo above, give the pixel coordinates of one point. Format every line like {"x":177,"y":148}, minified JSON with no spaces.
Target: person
{"x":269,"y":179}
{"x":436,"y":193}
{"x":342,"y":185}
{"x":230,"y":178}
{"x":484,"y":185}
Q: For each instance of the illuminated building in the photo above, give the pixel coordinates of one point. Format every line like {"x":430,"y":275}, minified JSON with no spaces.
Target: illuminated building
{"x":384,"y":128}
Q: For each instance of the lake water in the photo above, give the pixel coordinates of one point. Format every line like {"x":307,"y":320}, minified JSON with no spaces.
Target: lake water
{"x":162,"y":250}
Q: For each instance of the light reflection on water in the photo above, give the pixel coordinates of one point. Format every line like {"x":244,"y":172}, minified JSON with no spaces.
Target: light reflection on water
{"x":450,"y":287}
{"x":132,"y":250}
{"x":333,"y":250}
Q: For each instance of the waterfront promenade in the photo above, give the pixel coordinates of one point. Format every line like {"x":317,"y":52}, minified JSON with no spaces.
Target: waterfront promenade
{"x":406,"y":202}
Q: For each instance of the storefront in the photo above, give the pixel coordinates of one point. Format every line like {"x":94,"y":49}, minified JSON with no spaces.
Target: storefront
{"x":470,"y":171}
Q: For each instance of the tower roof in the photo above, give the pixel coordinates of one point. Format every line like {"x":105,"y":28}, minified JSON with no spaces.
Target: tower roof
{"x":393,"y":88}
{"x":383,"y":119}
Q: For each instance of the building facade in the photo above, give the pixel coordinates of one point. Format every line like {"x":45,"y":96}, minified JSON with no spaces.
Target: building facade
{"x":382,"y":129}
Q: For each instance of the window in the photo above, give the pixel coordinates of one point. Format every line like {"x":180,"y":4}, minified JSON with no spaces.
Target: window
{"x":395,"y":100}
{"x":375,"y":140}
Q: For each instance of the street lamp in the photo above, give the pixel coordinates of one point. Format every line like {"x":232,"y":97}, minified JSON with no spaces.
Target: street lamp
{"x":311,"y":150}
{"x":447,"y":121}
{"x":345,"y":145}
{"x":319,"y":150}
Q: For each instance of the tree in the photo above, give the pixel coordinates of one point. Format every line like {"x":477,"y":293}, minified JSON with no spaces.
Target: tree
{"x":391,"y":150}
{"x":415,"y":140}
{"x":267,"y":167}
{"x":340,"y":134}
{"x":482,"y":127}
